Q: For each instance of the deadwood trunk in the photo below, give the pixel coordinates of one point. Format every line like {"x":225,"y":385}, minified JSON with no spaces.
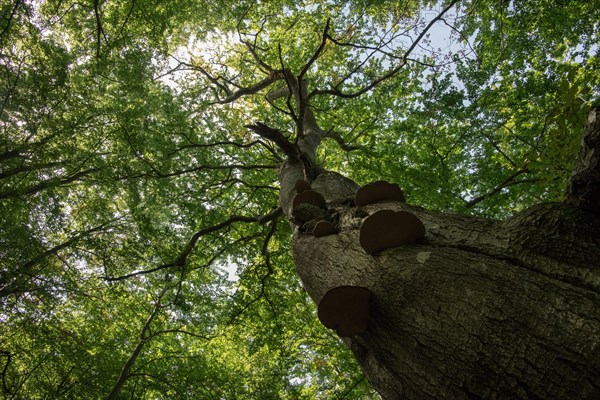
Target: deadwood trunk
{"x":480,"y":309}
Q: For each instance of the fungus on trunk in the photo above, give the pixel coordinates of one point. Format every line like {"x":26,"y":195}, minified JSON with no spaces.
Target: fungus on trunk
{"x":302,"y":186}
{"x":385,"y":229}
{"x":323,"y":228}
{"x":307,"y":206}
{"x":346,"y":310}
{"x":378,"y":191}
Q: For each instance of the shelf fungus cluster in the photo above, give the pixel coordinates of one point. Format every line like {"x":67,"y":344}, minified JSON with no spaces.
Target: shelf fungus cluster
{"x":385,"y":229}
{"x":309,"y":210}
{"x":346,"y":309}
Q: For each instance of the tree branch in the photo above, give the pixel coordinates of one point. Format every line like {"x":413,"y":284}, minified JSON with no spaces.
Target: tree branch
{"x":306,"y":118}
{"x":257,"y":87}
{"x":182,"y":258}
{"x":317,"y":53}
{"x":10,"y":18}
{"x":158,"y":174}
{"x":99,"y":30}
{"x":260,"y":62}
{"x":54,"y":182}
{"x":231,"y":220}
{"x":510,"y":181}
{"x":142,"y":340}
{"x":275,"y":136}
{"x":340,"y":140}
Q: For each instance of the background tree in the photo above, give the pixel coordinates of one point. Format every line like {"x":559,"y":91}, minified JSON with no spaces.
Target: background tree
{"x":145,"y":252}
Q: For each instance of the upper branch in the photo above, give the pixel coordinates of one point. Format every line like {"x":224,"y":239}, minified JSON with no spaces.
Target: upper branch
{"x":510,"y":181}
{"x":143,"y":338}
{"x":257,"y":87}
{"x":391,"y":72}
{"x":275,"y":136}
{"x":317,"y":52}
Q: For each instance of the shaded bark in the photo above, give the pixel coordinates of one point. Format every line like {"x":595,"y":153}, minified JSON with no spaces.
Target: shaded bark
{"x":584,"y":187}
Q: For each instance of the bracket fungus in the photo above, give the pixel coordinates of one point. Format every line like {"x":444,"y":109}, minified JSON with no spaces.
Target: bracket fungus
{"x":308,"y":205}
{"x":378,"y":191}
{"x":323,"y":228}
{"x":387,"y":228}
{"x":310,"y":197}
{"x":346,"y":310}
{"x":302,"y":186}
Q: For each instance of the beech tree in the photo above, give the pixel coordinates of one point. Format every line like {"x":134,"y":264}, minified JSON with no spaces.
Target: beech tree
{"x":318,"y":199}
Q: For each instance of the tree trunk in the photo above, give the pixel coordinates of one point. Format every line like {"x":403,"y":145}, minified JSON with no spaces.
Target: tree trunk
{"x":480,"y":309}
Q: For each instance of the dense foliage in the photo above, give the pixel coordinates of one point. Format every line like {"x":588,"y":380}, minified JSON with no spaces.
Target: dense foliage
{"x":142,"y":253}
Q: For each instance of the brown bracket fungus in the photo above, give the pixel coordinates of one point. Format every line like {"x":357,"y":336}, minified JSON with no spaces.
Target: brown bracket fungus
{"x":302,"y":186}
{"x":346,"y":310}
{"x":307,"y":206}
{"x":323,"y":228}
{"x":309,"y":197}
{"x":387,"y":228}
{"x":378,"y":191}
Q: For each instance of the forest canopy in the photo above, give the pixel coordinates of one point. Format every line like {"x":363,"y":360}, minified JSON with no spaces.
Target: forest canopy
{"x":143,"y":251}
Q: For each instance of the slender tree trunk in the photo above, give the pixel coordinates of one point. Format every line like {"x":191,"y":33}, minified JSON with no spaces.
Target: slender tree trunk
{"x":481,"y":309}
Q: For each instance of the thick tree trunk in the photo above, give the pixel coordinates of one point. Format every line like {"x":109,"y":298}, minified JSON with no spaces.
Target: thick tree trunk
{"x":480,"y":309}
{"x":474,"y":311}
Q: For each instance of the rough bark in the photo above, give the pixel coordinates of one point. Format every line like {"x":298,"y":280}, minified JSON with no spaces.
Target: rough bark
{"x":481,"y":309}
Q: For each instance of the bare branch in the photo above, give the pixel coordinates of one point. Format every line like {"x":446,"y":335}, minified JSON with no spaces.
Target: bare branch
{"x":499,"y":150}
{"x":182,"y":258}
{"x":261,"y":63}
{"x":54,"y":182}
{"x":277,"y":94}
{"x":11,"y":16}
{"x":289,"y":81}
{"x":265,"y":247}
{"x":158,"y":174}
{"x":211,"y":78}
{"x":182,"y":331}
{"x":141,"y":342}
{"x":28,"y":168}
{"x":194,"y":145}
{"x":99,"y":30}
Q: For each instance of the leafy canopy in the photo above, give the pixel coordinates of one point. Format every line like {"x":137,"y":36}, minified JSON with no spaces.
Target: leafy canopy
{"x":142,"y":251}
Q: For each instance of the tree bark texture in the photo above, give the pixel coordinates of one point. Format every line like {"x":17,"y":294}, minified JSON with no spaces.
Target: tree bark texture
{"x":480,"y":309}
